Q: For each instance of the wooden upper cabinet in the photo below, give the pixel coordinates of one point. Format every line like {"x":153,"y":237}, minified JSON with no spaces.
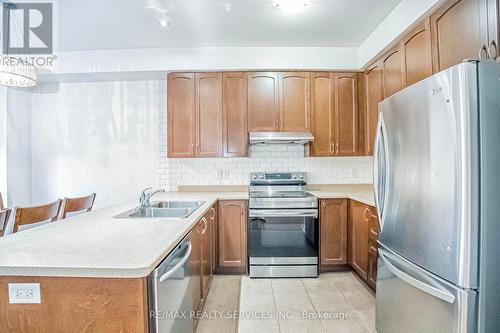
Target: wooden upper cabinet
{"x":181,"y":119}
{"x":333,"y":232}
{"x":346,"y":114}
{"x":232,"y":232}
{"x":263,"y":102}
{"x":374,"y":95}
{"x":457,"y":33}
{"x":235,"y":119}
{"x":392,"y":72}
{"x":209,"y":114}
{"x":416,"y":53}
{"x":359,"y":219}
{"x":294,"y":109}
{"x":322,"y":113}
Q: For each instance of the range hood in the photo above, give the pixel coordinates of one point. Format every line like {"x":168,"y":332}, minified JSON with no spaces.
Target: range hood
{"x":280,"y":137}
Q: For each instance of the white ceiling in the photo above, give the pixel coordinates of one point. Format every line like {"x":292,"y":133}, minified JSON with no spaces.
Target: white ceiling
{"x":126,"y":24}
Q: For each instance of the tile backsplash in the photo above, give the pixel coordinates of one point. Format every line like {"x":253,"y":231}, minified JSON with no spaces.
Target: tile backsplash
{"x":235,"y":171}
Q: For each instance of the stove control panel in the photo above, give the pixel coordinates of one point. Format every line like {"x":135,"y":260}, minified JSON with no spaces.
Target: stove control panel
{"x":278,"y":177}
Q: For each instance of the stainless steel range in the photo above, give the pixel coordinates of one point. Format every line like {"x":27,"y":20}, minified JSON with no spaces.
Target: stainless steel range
{"x":283,"y":226}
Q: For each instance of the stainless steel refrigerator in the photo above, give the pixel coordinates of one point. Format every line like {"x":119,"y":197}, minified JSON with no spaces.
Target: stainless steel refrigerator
{"x":437,"y":190}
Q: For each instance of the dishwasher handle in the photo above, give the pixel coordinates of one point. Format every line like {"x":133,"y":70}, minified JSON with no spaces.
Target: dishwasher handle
{"x":181,"y":263}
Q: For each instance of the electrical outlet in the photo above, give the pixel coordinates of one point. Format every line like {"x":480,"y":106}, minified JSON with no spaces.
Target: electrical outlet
{"x":24,"y":293}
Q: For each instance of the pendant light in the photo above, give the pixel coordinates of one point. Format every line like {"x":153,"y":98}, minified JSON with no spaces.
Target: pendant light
{"x":15,"y":71}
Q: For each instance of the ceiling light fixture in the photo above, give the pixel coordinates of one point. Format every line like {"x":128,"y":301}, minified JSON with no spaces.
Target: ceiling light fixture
{"x":163,"y":23}
{"x":291,"y":6}
{"x":15,"y":71}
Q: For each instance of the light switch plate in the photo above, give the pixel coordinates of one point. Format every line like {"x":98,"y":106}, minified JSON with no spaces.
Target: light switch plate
{"x":24,"y":293}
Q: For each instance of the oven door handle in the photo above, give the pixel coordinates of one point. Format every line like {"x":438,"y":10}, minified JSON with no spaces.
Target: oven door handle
{"x":283,"y":213}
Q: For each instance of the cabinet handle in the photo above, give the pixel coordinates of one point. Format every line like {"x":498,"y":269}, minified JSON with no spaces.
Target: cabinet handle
{"x":493,"y":45}
{"x":323,"y":204}
{"x":213,"y":213}
{"x":337,"y":148}
{"x":276,"y":123}
{"x":197,"y":147}
{"x":367,"y":214}
{"x":483,"y":53}
{"x":192,"y":148}
{"x":331,"y":148}
{"x":205,"y":223}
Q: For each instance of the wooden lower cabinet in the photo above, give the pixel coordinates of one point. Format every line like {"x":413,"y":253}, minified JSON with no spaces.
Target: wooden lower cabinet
{"x":333,"y":234}
{"x":207,"y":229}
{"x":77,"y":305}
{"x":363,"y":236}
{"x":232,"y":237}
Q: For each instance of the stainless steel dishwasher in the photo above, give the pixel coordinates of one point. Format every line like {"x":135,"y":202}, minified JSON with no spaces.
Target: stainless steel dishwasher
{"x":171,"y":292}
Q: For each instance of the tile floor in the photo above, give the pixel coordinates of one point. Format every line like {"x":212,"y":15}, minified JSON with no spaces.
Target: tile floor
{"x":289,"y":305}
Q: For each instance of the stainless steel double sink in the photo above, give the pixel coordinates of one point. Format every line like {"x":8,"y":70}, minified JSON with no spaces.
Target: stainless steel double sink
{"x":163,"y":209}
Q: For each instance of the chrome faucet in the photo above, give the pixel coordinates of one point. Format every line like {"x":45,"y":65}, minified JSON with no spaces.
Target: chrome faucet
{"x":146,"y":195}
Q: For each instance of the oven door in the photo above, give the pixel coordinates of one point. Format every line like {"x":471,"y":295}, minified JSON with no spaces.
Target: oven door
{"x":283,"y":236}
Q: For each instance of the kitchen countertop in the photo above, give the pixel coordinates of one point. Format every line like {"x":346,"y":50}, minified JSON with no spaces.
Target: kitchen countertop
{"x":96,"y":244}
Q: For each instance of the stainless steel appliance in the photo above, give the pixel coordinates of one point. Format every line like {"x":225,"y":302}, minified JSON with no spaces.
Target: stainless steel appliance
{"x":172,"y":289}
{"x":437,"y":190}
{"x":283,"y":226}
{"x":280,"y":137}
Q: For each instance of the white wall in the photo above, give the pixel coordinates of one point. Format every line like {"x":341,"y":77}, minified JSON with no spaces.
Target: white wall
{"x":95,"y":137}
{"x":3,"y":141}
{"x":401,"y":18}
{"x":206,"y":58}
{"x":19,"y":164}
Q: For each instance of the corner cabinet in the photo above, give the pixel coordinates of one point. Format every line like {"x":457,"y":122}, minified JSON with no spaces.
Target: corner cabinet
{"x":374,"y":95}
{"x":333,"y":233}
{"x":334,"y":114}
{"x":232,"y":234}
{"x":363,"y":235}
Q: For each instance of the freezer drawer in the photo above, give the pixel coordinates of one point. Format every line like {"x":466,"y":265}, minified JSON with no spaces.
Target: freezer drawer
{"x":411,"y":300}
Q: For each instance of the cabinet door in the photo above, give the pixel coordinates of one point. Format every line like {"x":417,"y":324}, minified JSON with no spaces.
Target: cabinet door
{"x":232,"y":235}
{"x":322,"y":113}
{"x":392,"y":73}
{"x":206,"y":255}
{"x":372,"y":248}
{"x":294,"y":102}
{"x":181,"y":119}
{"x":374,"y":95}
{"x":195,"y":265}
{"x":416,"y":53}
{"x":214,"y":217}
{"x":333,"y":231}
{"x":235,"y":118}
{"x":209,"y":114}
{"x":358,"y":239}
{"x":263,"y":101}
{"x":346,"y":114}
{"x":456,"y":33}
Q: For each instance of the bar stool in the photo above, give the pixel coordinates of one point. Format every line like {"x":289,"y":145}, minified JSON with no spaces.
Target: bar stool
{"x":4,"y":218}
{"x":73,"y":205}
{"x":32,"y":215}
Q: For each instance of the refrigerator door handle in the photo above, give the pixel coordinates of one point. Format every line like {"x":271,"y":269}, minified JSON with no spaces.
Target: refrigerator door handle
{"x":380,"y":169}
{"x":439,"y":293}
